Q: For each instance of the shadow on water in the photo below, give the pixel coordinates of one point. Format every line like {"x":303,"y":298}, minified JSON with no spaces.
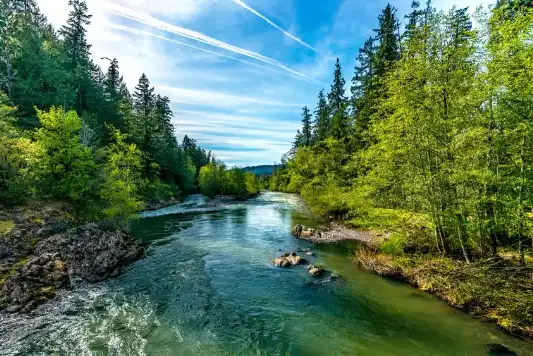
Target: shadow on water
{"x":207,"y":287}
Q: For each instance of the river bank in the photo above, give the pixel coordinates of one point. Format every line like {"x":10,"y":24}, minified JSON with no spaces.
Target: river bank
{"x":498,"y":290}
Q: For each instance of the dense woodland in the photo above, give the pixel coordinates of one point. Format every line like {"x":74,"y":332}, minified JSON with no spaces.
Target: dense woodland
{"x":71,"y":132}
{"x":435,"y":140}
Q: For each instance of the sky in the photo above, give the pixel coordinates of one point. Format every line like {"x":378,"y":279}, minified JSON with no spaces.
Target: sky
{"x":238,"y":72}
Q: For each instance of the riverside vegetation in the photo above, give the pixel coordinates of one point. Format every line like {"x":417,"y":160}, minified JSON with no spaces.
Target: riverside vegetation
{"x":433,"y":149}
{"x":75,"y":141}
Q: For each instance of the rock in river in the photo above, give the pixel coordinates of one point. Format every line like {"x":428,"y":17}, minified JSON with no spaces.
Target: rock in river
{"x":288,"y":260}
{"x":315,"y":271}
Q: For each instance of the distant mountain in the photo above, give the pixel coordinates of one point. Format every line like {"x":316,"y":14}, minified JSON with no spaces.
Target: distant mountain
{"x":261,"y":170}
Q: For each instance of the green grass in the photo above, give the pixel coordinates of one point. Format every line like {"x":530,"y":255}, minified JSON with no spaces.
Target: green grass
{"x":500,"y":292}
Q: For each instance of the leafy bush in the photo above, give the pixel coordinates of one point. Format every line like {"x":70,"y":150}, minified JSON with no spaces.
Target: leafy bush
{"x":66,"y":169}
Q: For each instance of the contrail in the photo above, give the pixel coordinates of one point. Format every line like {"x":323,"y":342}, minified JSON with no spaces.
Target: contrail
{"x":146,"y":33}
{"x":245,"y":5}
{"x":197,"y":36}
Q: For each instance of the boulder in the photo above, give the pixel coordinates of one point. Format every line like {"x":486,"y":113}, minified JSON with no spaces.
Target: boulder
{"x":92,"y":252}
{"x":288,"y":260}
{"x":5,"y":248}
{"x":315,"y":271}
{"x":301,"y":231}
{"x":34,"y":283}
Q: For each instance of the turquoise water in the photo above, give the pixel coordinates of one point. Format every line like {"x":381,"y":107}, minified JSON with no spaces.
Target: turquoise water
{"x":207,"y":287}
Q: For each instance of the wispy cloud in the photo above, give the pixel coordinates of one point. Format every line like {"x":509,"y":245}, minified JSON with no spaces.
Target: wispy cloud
{"x":146,"y":33}
{"x":197,"y":36}
{"x":255,"y":12}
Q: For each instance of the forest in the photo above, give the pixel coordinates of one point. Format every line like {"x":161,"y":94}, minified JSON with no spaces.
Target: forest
{"x":435,"y":139}
{"x":72,"y":132}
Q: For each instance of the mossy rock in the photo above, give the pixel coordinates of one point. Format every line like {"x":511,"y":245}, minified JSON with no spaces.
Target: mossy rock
{"x":6,"y":226}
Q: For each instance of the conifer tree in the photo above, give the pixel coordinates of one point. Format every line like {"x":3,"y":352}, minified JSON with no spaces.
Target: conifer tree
{"x":388,"y":49}
{"x":143,"y":97}
{"x":74,"y":34}
{"x":362,"y":89}
{"x":322,"y":120}
{"x":336,"y":96}
{"x":306,"y":127}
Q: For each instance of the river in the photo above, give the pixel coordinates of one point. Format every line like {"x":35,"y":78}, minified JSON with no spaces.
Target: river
{"x":207,"y":287}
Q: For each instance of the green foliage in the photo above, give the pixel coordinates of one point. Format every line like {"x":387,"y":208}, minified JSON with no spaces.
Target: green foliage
{"x":439,"y":151}
{"x":66,"y":169}
{"x":211,"y":179}
{"x":215,"y":179}
{"x":122,"y":171}
{"x":41,"y":71}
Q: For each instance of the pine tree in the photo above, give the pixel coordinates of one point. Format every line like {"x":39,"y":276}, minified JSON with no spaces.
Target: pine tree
{"x":336,"y":97}
{"x":414,"y":20}
{"x":306,"y":127}
{"x":388,"y":50}
{"x":322,"y":120}
{"x":143,"y":97}
{"x":77,"y":49}
{"x":362,"y":89}
{"x":74,"y":33}
{"x":113,"y":79}
{"x":338,"y":105}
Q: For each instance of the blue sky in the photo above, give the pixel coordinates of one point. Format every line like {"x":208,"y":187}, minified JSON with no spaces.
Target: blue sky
{"x":238,"y":72}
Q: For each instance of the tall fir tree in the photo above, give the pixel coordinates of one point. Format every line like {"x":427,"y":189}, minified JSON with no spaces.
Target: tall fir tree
{"x":77,"y":49}
{"x":306,"y":127}
{"x":363,"y":89}
{"x":338,"y":104}
{"x":143,"y":97}
{"x":336,"y":96}
{"x":322,"y":119}
{"x":74,"y":34}
{"x":388,"y":49}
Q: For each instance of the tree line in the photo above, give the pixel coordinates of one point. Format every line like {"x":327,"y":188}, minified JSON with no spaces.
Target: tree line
{"x":70,"y":131}
{"x":435,"y":138}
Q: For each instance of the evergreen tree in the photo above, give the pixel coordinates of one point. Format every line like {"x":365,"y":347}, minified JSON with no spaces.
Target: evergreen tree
{"x":143,"y":97}
{"x":340,"y":122}
{"x":306,"y":127}
{"x":74,"y":34}
{"x":336,"y":96}
{"x":322,"y":120}
{"x":78,"y":50}
{"x":414,"y":20}
{"x":388,"y":49}
{"x":113,"y":81}
{"x":362,"y":89}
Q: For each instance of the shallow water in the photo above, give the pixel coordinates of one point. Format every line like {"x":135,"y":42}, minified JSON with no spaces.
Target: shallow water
{"x":207,"y":287}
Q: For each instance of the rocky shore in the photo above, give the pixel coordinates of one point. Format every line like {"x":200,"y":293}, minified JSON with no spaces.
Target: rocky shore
{"x":337,"y":233}
{"x":42,"y":251}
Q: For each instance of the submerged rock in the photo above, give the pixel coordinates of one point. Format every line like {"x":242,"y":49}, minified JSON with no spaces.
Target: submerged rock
{"x":315,"y":271}
{"x":498,"y":350}
{"x":288,"y":260}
